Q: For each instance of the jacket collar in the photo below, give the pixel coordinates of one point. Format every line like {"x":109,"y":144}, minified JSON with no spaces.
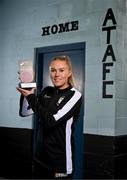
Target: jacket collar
{"x":63,"y":90}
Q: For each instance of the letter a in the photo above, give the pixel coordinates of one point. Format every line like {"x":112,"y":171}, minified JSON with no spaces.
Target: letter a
{"x":109,"y":16}
{"x":109,"y":52}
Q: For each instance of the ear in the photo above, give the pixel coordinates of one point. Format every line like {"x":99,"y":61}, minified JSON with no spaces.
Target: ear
{"x":70,"y":73}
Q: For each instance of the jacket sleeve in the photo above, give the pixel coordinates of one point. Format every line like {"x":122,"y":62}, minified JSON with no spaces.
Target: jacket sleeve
{"x":50,"y":118}
{"x":24,"y":109}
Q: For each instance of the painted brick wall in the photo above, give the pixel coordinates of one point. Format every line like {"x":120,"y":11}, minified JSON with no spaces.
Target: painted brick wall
{"x":21,"y":33}
{"x":121,"y":70}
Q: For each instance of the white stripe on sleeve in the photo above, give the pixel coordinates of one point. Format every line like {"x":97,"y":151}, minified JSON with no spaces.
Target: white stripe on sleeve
{"x":68,"y":106}
{"x":68,"y":146}
{"x":25,"y":110}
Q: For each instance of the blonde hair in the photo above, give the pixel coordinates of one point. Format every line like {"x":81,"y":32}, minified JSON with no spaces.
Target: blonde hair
{"x":68,"y":62}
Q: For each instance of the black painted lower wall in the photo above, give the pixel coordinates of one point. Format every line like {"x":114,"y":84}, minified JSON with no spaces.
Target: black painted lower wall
{"x":105,"y":157}
{"x":15,"y":153}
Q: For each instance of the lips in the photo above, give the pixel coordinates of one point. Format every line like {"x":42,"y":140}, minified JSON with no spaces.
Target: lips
{"x":57,"y":80}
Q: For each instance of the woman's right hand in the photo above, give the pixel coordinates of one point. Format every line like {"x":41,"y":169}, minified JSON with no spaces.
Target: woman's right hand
{"x":25,"y":92}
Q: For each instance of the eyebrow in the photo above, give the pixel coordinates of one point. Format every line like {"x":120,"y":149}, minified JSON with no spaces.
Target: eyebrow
{"x":58,"y":68}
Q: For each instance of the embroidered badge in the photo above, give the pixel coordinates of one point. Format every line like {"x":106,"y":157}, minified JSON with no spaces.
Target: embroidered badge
{"x":46,"y":96}
{"x":60,"y":100}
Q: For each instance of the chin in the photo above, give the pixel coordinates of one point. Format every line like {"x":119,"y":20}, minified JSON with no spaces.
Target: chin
{"x":58,"y":86}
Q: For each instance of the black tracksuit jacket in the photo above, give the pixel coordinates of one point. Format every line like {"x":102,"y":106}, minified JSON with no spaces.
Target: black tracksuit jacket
{"x":58,"y":111}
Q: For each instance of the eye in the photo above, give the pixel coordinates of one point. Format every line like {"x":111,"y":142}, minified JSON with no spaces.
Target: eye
{"x":52,"y":70}
{"x":61,"y":70}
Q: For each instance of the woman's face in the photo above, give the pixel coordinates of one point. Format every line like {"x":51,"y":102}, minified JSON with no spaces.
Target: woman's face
{"x":59,"y":73}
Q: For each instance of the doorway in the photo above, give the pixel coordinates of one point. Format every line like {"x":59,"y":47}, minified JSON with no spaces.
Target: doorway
{"x":76,"y":52}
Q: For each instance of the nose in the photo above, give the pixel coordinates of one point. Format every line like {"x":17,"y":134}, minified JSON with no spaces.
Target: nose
{"x":57,"y":73}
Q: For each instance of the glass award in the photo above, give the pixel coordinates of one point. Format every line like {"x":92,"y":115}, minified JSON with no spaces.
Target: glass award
{"x":26,"y":74}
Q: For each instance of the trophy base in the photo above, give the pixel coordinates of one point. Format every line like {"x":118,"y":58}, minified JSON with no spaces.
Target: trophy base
{"x":28,"y":85}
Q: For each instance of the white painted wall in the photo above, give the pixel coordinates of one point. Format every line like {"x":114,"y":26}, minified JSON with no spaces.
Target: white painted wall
{"x":20,"y":33}
{"x":121,"y":70}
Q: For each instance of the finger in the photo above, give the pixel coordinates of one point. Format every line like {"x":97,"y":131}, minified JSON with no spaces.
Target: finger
{"x":33,"y":89}
{"x":18,"y":88}
{"x":21,"y":90}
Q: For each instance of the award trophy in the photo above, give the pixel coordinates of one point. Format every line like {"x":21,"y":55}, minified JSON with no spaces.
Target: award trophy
{"x":26,"y":74}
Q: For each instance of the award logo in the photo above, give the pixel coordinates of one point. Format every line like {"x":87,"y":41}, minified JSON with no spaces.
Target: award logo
{"x":26,"y":74}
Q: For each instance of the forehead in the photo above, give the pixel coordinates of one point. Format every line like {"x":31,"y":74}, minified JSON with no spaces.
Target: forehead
{"x":58,"y":64}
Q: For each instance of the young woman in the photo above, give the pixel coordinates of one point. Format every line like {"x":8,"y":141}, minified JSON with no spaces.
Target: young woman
{"x":58,"y":108}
